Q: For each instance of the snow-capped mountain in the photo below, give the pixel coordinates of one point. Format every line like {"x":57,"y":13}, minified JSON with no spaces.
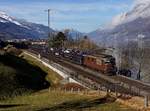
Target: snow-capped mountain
{"x":124,"y":31}
{"x":5,"y":18}
{"x":140,"y":10}
{"x":127,"y":25}
{"x":11,"y":27}
{"x":118,"y":20}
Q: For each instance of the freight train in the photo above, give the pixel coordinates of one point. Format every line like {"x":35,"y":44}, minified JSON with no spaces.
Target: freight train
{"x":102,"y":62}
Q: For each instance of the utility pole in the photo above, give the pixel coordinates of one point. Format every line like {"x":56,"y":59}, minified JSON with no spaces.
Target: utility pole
{"x":140,"y":47}
{"x":116,"y":52}
{"x":49,"y":23}
{"x":128,"y":54}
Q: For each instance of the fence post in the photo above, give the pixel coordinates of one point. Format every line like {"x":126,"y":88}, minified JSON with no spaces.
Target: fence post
{"x":130,"y":90}
{"x":116,"y":93}
{"x":65,"y":90}
{"x":99,"y":89}
{"x":107,"y":91}
{"x":139,"y":91}
{"x":71,"y":90}
{"x":78,"y":90}
{"x":49,"y":89}
{"x":146,"y":101}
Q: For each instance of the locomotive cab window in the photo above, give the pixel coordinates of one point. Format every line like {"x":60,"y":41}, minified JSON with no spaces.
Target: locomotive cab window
{"x":92,"y":59}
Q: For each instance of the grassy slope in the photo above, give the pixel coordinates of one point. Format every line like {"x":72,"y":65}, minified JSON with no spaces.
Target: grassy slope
{"x":51,"y":77}
{"x":23,"y":76}
{"x":60,"y":101}
{"x":17,"y":76}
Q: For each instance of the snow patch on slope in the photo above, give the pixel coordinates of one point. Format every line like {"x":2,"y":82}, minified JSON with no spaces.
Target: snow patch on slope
{"x":6,"y":18}
{"x":142,"y":1}
{"x":140,"y":10}
{"x":119,"y":19}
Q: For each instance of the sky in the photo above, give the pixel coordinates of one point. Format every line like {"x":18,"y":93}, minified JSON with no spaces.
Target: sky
{"x":81,"y":15}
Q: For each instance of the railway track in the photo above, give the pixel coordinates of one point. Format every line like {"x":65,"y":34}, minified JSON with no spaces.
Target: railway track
{"x":114,"y":83}
{"x":132,"y":82}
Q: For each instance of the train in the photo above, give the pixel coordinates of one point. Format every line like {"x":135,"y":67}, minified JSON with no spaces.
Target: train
{"x":103,"y":63}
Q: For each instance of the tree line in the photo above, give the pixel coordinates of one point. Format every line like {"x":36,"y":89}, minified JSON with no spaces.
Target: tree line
{"x":65,"y":40}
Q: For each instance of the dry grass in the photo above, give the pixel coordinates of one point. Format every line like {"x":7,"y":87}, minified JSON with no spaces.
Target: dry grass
{"x":60,"y":101}
{"x":135,"y":103}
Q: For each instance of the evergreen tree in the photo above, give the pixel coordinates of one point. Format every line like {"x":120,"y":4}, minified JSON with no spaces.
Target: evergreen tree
{"x":58,"y":40}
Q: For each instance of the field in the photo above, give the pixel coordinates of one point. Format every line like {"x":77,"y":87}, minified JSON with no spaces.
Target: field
{"x":61,"y":101}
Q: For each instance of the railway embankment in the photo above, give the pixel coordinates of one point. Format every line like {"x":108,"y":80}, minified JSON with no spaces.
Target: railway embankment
{"x":55,"y":67}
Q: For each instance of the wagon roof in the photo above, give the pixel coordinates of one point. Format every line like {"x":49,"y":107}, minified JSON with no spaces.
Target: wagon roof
{"x":99,"y":56}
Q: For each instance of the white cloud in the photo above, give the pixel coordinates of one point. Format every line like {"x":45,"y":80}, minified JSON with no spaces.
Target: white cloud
{"x":141,"y":1}
{"x":137,"y":10}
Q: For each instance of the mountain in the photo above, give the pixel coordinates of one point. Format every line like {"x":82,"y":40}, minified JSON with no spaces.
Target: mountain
{"x":123,"y":31}
{"x":126,"y":25}
{"x":12,"y":28}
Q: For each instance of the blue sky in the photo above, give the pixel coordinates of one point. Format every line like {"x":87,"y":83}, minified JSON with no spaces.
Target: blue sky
{"x":82,"y":15}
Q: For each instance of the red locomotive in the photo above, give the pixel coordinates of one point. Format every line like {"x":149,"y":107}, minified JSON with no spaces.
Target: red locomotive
{"x":103,"y":63}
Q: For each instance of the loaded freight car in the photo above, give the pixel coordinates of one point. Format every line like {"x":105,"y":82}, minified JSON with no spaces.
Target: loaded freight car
{"x":102,"y":63}
{"x":74,"y":56}
{"x":77,"y":58}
